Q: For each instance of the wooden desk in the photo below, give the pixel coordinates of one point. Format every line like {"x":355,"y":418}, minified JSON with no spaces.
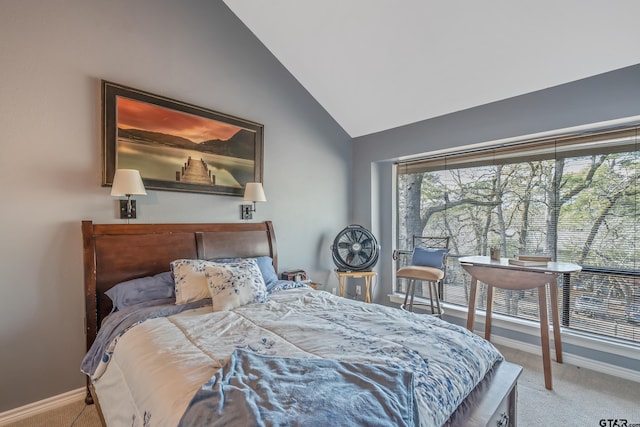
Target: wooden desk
{"x":367,"y":275}
{"x":501,"y":274}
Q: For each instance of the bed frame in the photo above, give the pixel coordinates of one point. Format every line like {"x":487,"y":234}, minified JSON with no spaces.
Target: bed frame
{"x":114,"y":253}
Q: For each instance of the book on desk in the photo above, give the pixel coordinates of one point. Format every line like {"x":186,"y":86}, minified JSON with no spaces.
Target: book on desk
{"x":530,"y":260}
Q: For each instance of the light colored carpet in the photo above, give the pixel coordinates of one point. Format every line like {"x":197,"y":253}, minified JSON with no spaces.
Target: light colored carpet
{"x":72,"y":415}
{"x":580,"y":398}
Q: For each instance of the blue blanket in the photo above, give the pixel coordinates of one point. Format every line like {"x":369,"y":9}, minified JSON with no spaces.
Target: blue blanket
{"x":256,"y":390}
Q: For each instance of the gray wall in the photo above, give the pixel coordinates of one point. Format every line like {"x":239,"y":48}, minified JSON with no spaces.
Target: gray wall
{"x":605,"y":97}
{"x":54,"y":54}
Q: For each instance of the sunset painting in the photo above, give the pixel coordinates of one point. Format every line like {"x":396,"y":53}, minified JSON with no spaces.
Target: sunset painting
{"x":176,"y":146}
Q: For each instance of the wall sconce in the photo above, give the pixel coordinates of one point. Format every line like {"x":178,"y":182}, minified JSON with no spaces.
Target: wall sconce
{"x":253,"y":192}
{"x":125,"y":183}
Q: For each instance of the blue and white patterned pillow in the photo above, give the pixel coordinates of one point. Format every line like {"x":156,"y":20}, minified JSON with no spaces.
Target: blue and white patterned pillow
{"x":265,"y":264}
{"x":191,"y":285}
{"x":233,"y":284}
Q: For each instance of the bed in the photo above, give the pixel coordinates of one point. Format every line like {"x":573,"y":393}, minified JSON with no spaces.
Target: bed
{"x":158,"y":370}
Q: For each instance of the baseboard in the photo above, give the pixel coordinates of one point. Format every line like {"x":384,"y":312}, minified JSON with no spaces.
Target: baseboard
{"x":572,"y":359}
{"x":36,"y":408}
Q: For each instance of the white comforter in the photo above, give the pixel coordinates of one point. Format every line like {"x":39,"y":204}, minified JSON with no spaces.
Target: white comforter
{"x":158,"y":365}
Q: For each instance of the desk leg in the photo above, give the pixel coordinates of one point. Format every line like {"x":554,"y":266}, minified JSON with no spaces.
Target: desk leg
{"x":556,"y":320}
{"x":472,"y":304}
{"x":367,"y":289}
{"x":487,"y":323}
{"x":544,"y":335}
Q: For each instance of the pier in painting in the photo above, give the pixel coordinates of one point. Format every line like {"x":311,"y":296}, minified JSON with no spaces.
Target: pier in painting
{"x":196,"y":172}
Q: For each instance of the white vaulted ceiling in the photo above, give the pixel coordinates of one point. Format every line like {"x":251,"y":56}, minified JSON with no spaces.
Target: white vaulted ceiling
{"x":379,"y":64}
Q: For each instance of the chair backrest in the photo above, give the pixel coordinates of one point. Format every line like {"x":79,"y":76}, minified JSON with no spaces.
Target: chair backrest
{"x":403,"y":257}
{"x":430,"y":242}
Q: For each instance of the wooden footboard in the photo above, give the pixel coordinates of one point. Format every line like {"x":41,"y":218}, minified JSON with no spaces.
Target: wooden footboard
{"x":493,"y":402}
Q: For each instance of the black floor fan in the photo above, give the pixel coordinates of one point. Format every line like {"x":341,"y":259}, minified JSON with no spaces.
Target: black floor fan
{"x":355,"y":249}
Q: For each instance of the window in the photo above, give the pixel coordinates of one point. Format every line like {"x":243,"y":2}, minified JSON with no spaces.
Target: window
{"x":573,"y":198}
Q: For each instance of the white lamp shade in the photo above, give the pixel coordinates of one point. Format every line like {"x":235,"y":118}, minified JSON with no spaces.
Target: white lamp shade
{"x":126,"y":182}
{"x":253,"y":192}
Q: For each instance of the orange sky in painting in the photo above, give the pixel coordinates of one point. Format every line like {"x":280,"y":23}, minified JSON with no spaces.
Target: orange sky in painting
{"x":140,"y":115}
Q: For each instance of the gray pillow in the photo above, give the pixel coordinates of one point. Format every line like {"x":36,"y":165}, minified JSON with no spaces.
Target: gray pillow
{"x":144,"y":289}
{"x":265,"y":264}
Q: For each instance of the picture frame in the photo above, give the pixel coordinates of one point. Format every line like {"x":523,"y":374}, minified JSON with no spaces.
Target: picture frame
{"x":178,"y":146}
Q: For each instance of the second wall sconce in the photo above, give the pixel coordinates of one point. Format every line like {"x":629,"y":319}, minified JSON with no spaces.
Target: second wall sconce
{"x":253,"y":192}
{"x":127,"y":182}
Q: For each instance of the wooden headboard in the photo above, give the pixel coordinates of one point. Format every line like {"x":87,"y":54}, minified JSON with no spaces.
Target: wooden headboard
{"x":114,"y":253}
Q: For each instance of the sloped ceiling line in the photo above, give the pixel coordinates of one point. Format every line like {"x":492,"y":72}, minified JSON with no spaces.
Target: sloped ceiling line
{"x":376,"y":65}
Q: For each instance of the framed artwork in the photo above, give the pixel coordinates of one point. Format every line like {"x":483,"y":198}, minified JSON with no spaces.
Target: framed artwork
{"x":178,"y":146}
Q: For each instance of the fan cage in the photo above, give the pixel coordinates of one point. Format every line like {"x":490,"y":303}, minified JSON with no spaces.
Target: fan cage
{"x":355,"y":249}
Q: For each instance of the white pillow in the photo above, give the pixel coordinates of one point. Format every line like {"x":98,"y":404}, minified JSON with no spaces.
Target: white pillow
{"x":191,"y":285}
{"x":235,"y":283}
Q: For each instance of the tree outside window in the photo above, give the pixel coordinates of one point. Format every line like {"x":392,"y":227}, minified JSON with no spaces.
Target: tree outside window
{"x":577,"y":204}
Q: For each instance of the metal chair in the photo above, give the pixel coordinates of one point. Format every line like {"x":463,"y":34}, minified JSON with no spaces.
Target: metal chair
{"x":433,"y":276}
